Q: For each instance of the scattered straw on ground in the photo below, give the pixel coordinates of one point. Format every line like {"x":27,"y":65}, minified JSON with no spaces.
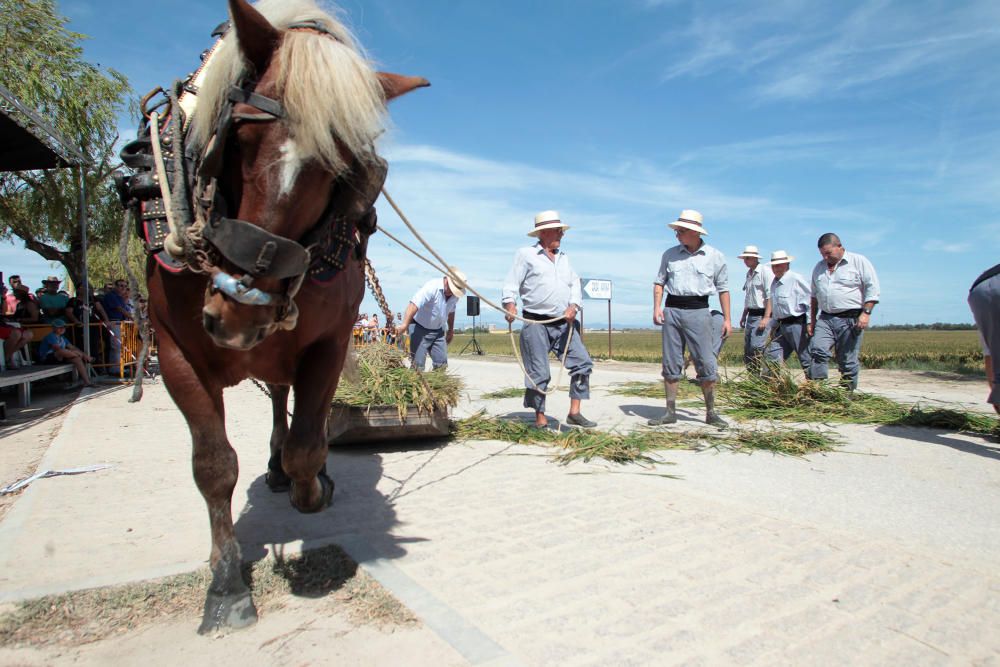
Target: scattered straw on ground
{"x":91,"y":615}
{"x":779,"y":397}
{"x":383,"y":379}
{"x":641,"y":445}
{"x":506,"y":392}
{"x":685,"y":389}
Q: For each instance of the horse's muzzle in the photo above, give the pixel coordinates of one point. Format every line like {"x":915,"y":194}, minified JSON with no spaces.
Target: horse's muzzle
{"x":243,"y":339}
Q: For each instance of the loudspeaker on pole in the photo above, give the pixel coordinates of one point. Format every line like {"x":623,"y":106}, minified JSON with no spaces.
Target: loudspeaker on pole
{"x":472,"y":306}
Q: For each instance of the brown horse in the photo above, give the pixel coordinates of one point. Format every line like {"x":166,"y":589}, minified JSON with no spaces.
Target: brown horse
{"x":281,"y":138}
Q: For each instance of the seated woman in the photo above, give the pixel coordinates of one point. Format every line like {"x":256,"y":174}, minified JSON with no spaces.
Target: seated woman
{"x":55,"y":349}
{"x":14,"y":338}
{"x":27,"y":311}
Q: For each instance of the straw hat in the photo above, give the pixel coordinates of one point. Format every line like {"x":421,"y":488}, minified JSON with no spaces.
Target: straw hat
{"x":458,"y":283}
{"x":51,"y":279}
{"x":780,"y":257}
{"x":547,"y":220}
{"x":750,"y":251}
{"x":689,"y":219}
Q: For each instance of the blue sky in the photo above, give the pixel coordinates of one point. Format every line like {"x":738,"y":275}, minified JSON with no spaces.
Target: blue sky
{"x":778,"y":121}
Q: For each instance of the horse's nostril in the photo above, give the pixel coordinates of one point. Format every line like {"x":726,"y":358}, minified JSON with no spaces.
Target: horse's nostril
{"x":210,"y":322}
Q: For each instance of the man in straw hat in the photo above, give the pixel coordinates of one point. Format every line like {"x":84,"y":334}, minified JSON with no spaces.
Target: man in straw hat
{"x":845,"y":288}
{"x":756,"y":308}
{"x":430,"y":309}
{"x":984,"y":301}
{"x":549,"y":288}
{"x":689,"y":273}
{"x":53,"y":303}
{"x":790,"y":299}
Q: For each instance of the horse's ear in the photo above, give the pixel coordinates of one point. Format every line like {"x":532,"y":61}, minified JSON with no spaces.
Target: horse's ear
{"x":258,"y":39}
{"x":394,"y":85}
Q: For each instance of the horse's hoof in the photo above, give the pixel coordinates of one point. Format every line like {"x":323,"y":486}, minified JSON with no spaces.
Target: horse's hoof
{"x":326,"y":497}
{"x":227,"y":612}
{"x":277,"y":480}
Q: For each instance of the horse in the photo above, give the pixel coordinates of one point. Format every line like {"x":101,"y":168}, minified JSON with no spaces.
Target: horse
{"x":282,"y":138}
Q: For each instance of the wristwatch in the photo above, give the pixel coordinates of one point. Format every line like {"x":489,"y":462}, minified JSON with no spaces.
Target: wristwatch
{"x":867,"y":311}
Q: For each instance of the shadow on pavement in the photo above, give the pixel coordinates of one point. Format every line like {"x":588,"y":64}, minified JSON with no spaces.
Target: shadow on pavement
{"x":935,"y":437}
{"x":653,"y":411}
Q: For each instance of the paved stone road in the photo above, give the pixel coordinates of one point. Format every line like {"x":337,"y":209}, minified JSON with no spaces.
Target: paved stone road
{"x":883,"y":554}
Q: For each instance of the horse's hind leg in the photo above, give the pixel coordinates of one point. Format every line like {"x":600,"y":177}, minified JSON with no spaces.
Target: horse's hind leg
{"x":228,"y":603}
{"x":276,"y":478}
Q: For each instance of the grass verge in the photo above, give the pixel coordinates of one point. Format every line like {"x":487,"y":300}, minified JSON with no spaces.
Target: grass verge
{"x":91,"y":615}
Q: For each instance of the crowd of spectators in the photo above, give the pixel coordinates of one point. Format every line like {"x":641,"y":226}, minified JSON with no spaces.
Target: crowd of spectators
{"x":24,"y":310}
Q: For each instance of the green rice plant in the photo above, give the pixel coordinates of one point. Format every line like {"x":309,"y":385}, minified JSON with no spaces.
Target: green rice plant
{"x":685,"y":389}
{"x":382,"y":379}
{"x":637,"y":446}
{"x":506,"y":392}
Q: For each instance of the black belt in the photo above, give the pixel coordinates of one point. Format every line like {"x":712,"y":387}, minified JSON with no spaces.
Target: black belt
{"x":756,"y":312}
{"x":687,"y":302}
{"x":847,"y":314}
{"x":794,"y":319}
{"x":540,"y":318}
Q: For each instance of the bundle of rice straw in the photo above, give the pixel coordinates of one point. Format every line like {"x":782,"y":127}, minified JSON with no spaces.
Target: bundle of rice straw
{"x":383,"y":379}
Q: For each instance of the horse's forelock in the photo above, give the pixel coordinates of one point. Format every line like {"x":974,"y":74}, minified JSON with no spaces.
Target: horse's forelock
{"x":328,"y":86}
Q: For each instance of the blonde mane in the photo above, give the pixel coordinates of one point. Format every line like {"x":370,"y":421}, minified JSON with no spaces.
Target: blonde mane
{"x":328,"y":86}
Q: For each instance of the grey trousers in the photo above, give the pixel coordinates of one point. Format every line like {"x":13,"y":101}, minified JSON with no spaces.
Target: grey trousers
{"x":842,"y":334}
{"x":424,"y":341}
{"x":692,"y":330}
{"x":537,"y":341}
{"x":790,"y":338}
{"x":754,"y":341}
{"x":984,"y":301}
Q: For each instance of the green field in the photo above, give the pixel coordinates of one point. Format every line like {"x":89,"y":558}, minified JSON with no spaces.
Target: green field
{"x":956,"y":351}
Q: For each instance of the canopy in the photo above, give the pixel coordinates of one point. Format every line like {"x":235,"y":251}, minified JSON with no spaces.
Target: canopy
{"x":28,"y":141}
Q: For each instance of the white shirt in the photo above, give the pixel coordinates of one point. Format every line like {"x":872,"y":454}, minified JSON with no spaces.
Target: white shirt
{"x":790,"y":296}
{"x":757,"y":288}
{"x":546,"y":286}
{"x":700,"y":273}
{"x":852,"y":284}
{"x":432,"y":306}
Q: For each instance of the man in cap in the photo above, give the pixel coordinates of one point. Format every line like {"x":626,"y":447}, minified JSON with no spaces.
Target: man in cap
{"x":430,"y":310}
{"x":845,"y":289}
{"x":53,"y":303}
{"x":756,"y":308}
{"x":549,"y":289}
{"x":689,"y":273}
{"x":790,"y":299}
{"x":984,"y":301}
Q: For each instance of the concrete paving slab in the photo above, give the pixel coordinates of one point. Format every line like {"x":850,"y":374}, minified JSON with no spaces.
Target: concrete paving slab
{"x":882,"y":553}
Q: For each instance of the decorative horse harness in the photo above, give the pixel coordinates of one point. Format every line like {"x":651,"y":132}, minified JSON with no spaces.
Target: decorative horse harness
{"x":182,"y":240}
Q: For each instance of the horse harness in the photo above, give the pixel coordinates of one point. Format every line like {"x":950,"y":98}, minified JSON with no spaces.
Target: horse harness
{"x":184,"y":240}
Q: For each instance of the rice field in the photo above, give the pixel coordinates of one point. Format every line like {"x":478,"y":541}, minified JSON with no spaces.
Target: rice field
{"x":956,"y":351}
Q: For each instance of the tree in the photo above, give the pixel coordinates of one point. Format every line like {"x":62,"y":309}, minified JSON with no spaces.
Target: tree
{"x":43,"y":66}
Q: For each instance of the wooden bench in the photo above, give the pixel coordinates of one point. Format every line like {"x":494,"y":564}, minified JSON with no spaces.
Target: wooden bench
{"x":23,"y":377}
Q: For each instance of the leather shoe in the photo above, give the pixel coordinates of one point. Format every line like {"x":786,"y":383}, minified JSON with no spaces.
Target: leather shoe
{"x":713,"y":419}
{"x":667,"y":418}
{"x":579,"y":420}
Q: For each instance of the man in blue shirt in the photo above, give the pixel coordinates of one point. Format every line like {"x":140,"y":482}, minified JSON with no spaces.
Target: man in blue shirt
{"x":55,"y":349}
{"x":430,"y":309}
{"x":790,"y":299}
{"x":845,"y":289}
{"x":549,"y":289}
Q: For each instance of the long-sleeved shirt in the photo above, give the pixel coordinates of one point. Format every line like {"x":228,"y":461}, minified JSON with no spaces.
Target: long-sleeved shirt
{"x":683,"y":273}
{"x":433,"y":307}
{"x":790,"y":296}
{"x":852,"y":284}
{"x":757,"y":288}
{"x":546,"y":286}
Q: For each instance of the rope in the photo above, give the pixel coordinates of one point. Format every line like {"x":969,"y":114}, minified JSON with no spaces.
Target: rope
{"x":447,"y":271}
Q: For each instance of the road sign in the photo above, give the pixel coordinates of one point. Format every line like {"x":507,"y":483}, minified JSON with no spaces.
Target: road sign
{"x":596,"y":289}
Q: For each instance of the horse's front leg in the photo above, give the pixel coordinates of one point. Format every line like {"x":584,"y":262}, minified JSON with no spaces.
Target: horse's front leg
{"x":276,"y":478}
{"x":305,"y":449}
{"x":228,"y":603}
